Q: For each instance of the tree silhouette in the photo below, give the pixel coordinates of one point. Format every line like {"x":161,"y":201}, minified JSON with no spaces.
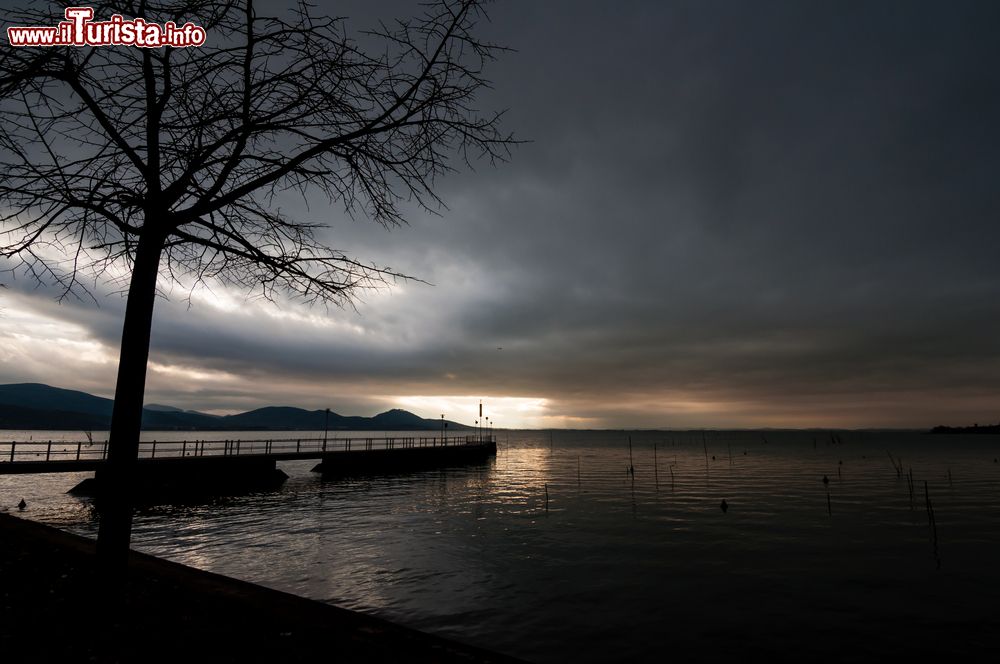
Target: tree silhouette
{"x":166,"y":163}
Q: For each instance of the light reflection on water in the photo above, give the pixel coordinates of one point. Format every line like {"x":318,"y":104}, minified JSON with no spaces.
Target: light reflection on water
{"x":611,"y":568}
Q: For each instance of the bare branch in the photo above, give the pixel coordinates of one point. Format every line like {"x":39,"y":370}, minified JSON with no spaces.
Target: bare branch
{"x":101,"y":146}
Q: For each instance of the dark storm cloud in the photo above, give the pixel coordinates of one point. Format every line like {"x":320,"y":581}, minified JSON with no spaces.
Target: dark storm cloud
{"x":773,"y":209}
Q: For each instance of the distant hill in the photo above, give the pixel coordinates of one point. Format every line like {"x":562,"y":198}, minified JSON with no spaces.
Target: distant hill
{"x":162,"y":408}
{"x":281,"y":417}
{"x":975,"y":428}
{"x":39,"y":396}
{"x":38,"y":406}
{"x":171,"y":409}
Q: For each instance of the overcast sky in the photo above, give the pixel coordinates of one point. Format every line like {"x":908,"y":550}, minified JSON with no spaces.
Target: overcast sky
{"x":730,"y":214}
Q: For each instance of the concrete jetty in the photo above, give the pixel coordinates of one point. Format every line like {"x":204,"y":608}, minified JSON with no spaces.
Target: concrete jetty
{"x":227,"y":467}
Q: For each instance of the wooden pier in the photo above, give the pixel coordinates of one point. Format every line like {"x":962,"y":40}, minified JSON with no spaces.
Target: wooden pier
{"x":69,"y":457}
{"x":165,"y":468}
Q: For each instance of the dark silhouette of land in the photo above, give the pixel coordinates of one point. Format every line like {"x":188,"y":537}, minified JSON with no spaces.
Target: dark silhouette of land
{"x":975,"y":428}
{"x":35,"y":406}
{"x":172,"y":613}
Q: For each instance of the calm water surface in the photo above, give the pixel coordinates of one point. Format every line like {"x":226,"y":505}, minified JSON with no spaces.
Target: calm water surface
{"x":609,"y":567}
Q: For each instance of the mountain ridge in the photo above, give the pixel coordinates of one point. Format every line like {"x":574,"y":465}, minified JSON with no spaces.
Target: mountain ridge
{"x":36,"y":406}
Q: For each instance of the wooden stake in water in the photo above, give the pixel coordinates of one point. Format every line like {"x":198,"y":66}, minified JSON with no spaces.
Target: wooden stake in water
{"x":897,"y":464}
{"x":909,"y":482}
{"x":671,"y":479}
{"x":826,"y":484}
{"x":631,"y":466}
{"x":932,"y":523}
{"x":546,"y":498}
{"x":656,"y":469}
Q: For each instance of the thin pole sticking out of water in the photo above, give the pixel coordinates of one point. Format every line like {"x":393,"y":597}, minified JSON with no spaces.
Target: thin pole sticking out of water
{"x":546,"y":498}
{"x":635,"y":512}
{"x":656,"y":469}
{"x":826,"y":485}
{"x":551,"y":444}
{"x":897,"y":464}
{"x":932,"y":522}
{"x":671,"y":479}
{"x":631,"y":466}
{"x":909,"y":482}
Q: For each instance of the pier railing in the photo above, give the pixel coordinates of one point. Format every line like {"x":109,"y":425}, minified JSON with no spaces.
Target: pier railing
{"x":55,"y":450}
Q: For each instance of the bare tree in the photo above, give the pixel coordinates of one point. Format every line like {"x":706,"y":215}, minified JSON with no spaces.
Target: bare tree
{"x":165,"y":163}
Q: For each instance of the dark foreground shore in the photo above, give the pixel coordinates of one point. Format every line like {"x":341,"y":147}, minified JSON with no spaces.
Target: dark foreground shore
{"x":54,"y":609}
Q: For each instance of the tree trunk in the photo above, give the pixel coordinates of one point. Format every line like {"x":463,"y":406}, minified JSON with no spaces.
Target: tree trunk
{"x":117,"y":477}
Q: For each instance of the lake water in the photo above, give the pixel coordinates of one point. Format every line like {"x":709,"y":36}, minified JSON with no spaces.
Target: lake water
{"x":611,"y":567}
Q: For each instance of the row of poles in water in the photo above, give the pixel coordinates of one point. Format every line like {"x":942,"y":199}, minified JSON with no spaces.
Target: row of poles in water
{"x":897,"y":465}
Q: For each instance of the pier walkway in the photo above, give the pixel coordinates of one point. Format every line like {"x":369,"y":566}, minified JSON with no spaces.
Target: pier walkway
{"x":63,"y":457}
